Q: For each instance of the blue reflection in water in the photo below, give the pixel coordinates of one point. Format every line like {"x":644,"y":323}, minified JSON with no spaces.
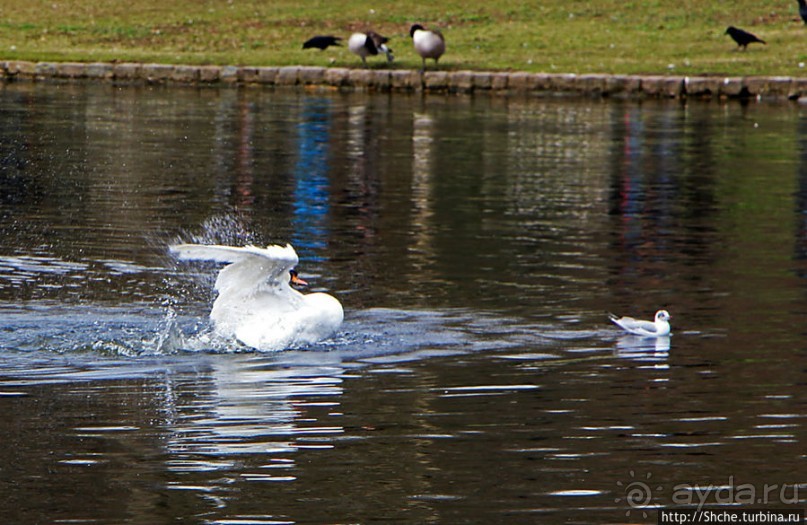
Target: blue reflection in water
{"x":631,"y":190}
{"x":647,"y":189}
{"x":311,"y":191}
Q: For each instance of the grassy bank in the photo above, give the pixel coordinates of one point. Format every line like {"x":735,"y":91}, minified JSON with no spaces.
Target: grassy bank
{"x":607,"y":36}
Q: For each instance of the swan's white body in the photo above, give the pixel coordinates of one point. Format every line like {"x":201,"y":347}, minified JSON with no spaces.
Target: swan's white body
{"x":256,"y":305}
{"x":658,"y":328}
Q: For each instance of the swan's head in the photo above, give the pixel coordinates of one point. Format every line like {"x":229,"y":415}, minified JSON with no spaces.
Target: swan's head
{"x":662,"y":315}
{"x":294,"y":279}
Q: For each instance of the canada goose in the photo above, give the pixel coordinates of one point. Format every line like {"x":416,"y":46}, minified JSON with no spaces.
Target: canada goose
{"x":369,"y":44}
{"x":428,"y":44}
{"x":322,"y":42}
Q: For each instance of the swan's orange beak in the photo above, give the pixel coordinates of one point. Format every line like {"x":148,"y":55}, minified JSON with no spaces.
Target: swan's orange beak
{"x":295,"y":279}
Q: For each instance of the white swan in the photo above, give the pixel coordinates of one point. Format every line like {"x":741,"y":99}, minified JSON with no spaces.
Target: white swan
{"x":658,"y":328}
{"x":256,"y":304}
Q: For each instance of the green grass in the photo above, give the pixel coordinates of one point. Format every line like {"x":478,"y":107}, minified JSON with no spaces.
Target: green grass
{"x":569,"y":36}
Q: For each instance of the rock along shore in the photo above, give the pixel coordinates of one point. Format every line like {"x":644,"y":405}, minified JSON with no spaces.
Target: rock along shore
{"x":407,"y":80}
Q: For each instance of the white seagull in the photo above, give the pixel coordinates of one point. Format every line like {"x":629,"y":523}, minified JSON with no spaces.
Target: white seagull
{"x":256,"y":304}
{"x":428,"y":44}
{"x":369,"y":44}
{"x":658,"y":328}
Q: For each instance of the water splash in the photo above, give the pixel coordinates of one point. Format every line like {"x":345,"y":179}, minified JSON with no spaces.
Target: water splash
{"x":230,"y":229}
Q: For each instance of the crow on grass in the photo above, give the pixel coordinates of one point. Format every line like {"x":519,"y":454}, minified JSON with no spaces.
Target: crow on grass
{"x":743,"y":38}
{"x":803,"y":10}
{"x":321,"y":42}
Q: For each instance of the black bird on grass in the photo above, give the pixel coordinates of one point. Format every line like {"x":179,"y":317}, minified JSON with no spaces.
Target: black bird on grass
{"x":743,"y":38}
{"x":803,"y":10}
{"x":321,"y":42}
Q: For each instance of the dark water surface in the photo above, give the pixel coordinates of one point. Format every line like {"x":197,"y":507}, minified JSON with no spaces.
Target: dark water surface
{"x":475,"y":244}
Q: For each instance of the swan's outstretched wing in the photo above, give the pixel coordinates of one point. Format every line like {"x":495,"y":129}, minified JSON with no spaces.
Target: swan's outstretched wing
{"x":231,"y":254}
{"x":248,"y":269}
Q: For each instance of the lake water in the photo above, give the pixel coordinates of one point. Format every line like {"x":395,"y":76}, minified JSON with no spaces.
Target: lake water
{"x":476,"y":245}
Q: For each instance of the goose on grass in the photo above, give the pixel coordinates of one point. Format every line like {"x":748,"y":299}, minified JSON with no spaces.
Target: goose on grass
{"x":428,"y":43}
{"x":369,"y":44}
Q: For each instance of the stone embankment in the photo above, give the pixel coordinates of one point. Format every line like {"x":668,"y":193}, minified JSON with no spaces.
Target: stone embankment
{"x":627,"y":86}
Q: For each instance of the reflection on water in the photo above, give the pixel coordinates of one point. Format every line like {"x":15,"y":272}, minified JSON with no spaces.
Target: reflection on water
{"x":631,"y":345}
{"x":422,"y":215}
{"x":475,"y":243}
{"x":311,"y":194}
{"x":249,"y":408}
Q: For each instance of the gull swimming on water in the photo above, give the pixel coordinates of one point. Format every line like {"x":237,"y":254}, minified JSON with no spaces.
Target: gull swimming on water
{"x":256,"y":303}
{"x":660,"y":327}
